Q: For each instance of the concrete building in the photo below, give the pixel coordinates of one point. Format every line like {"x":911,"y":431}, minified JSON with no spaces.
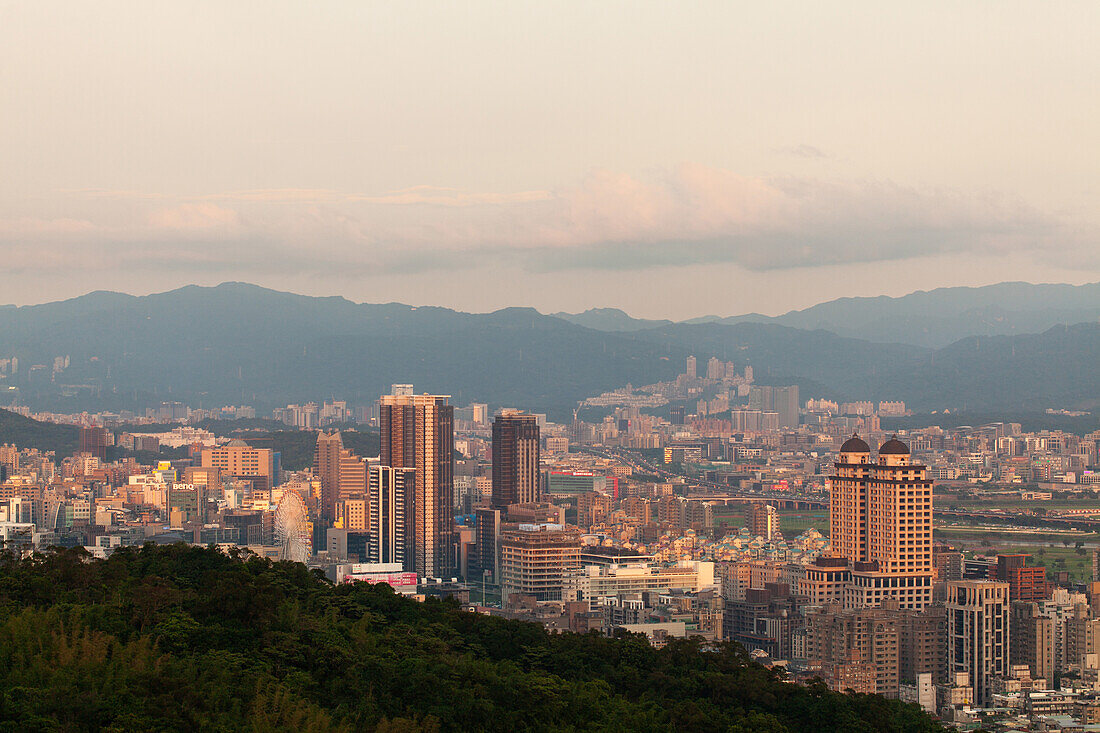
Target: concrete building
{"x":534,"y":559}
{"x":762,"y":520}
{"x":516,"y":477}
{"x":237,"y":459}
{"x":326,"y":467}
{"x":881,"y":521}
{"x":417,"y":431}
{"x":978,"y":633}
{"x":594,"y":581}
{"x":388,"y":501}
{"x":855,"y":649}
{"x":93,"y":441}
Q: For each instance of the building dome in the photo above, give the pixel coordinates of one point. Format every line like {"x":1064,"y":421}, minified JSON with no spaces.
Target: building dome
{"x":894,"y":447}
{"x":855,"y":444}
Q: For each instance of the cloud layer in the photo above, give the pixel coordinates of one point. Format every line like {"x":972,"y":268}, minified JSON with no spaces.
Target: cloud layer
{"x":690,"y":214}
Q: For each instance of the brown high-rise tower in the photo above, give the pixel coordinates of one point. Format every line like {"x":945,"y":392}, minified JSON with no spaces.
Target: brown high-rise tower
{"x":880,"y":519}
{"x":515,"y":459}
{"x":418,"y":432}
{"x":326,"y":466}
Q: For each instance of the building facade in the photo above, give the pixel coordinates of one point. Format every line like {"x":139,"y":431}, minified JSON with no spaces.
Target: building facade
{"x":417,"y":431}
{"x":978,"y":633}
{"x":534,"y":559}
{"x":516,"y":478}
{"x":881,"y":522}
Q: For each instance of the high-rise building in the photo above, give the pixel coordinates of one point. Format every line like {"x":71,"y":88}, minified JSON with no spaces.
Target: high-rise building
{"x":716,"y":369}
{"x":1024,"y":583}
{"x":880,"y":519}
{"x":1032,"y":640}
{"x":676,"y":414}
{"x":326,"y":467}
{"x":237,"y":459}
{"x":351,"y":514}
{"x":786,"y":404}
{"x":351,"y":478}
{"x":781,"y":400}
{"x":417,"y":431}
{"x":94,"y":441}
{"x":516,"y":477}
{"x":978,"y":633}
{"x":390,"y":507}
{"x":762,"y":520}
{"x":857,"y":649}
{"x":534,"y":559}
{"x":692,"y":370}
{"x":485,"y":562}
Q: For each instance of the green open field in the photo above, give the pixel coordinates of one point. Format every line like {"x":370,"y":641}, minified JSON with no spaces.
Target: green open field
{"x":791,"y":522}
{"x":1052,"y":558}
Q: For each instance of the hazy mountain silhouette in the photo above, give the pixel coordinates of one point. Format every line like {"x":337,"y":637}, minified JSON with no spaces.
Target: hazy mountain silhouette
{"x":238,"y":343}
{"x":933,"y":318}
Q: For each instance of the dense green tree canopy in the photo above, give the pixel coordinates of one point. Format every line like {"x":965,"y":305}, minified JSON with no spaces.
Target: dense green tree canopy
{"x":190,"y":639}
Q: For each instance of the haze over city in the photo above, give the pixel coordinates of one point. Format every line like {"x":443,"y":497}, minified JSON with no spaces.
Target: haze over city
{"x":671,"y":160}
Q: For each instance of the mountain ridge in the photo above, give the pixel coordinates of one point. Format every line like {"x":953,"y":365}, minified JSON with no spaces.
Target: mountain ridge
{"x":243,"y":344}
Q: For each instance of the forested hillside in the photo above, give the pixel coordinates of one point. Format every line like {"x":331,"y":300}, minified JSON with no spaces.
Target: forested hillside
{"x":188,"y":639}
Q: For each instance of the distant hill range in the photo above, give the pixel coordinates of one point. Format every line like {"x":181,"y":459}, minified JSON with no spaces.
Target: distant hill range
{"x":238,"y":343}
{"x":610,"y":319}
{"x":933,"y":318}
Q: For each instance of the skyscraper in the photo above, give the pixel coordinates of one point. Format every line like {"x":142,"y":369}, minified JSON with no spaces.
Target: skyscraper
{"x":783,"y":400}
{"x":418,"y":432}
{"x":880,"y":520}
{"x":326,"y":467}
{"x":977,"y":633}
{"x":516,"y":478}
{"x":389,"y":505}
{"x":692,"y":370}
{"x":94,"y":441}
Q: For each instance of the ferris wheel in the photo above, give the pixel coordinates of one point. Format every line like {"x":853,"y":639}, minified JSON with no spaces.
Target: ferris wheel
{"x":292,"y":528}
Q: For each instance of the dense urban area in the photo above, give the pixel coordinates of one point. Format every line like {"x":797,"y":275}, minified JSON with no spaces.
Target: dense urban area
{"x":955,"y":569}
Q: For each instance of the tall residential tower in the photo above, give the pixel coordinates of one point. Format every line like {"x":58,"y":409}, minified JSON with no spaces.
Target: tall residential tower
{"x":880,"y":520}
{"x":516,"y":478}
{"x":418,"y":432}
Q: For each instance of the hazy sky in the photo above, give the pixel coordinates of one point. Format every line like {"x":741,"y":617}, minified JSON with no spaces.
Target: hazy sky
{"x":673,"y":159}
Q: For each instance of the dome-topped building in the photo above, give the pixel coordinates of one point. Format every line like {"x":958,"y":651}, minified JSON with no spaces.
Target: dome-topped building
{"x":880,"y":521}
{"x":855,"y":444}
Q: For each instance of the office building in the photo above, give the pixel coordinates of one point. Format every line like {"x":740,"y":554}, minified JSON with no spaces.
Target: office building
{"x":326,"y":467}
{"x":516,"y":478}
{"x":237,"y":459}
{"x":417,"y":431}
{"x":856,"y":649}
{"x":94,"y":442}
{"x":389,"y":508}
{"x":593,"y":582}
{"x":692,"y":369}
{"x":781,"y":400}
{"x":484,"y":562}
{"x":535,"y":558}
{"x":978,"y":633}
{"x":1024,"y":583}
{"x":351,"y":514}
{"x":881,"y":522}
